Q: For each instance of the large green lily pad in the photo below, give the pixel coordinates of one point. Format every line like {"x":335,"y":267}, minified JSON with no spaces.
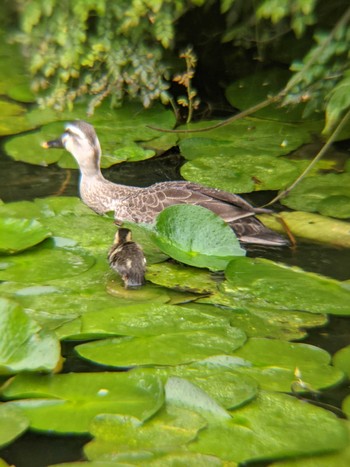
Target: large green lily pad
{"x":341,"y":360}
{"x":23,"y":344}
{"x":328,"y":194}
{"x":271,"y":427}
{"x":53,"y":402}
{"x":164,"y":349}
{"x":265,"y":282}
{"x":13,"y":422}
{"x":196,"y":236}
{"x":241,"y":173}
{"x":245,"y":136}
{"x":20,"y":234}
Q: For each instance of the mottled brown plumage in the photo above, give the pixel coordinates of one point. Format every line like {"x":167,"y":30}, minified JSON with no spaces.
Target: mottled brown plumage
{"x":126,"y":258}
{"x":144,"y":204}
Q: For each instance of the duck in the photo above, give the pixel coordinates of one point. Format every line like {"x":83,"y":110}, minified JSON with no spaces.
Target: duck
{"x":142,"y":205}
{"x":127,"y":259}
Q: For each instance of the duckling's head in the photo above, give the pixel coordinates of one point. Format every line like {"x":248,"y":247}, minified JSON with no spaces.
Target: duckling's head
{"x":122,"y":236}
{"x":80,"y":139}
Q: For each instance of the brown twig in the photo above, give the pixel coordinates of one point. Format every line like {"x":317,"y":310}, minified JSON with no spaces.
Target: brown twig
{"x":64,"y":184}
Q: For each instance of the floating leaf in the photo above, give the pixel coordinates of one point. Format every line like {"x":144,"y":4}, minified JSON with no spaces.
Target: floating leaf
{"x":196,"y":236}
{"x":118,"y":131}
{"x":23,"y":345}
{"x":45,"y":263}
{"x":20,"y":234}
{"x":245,"y":136}
{"x":273,"y":426}
{"x":274,"y":363}
{"x":312,"y":194}
{"x":341,"y":360}
{"x":13,"y":423}
{"x":168,"y":430}
{"x":147,"y":319}
{"x":241,"y":173}
{"x":181,"y":277}
{"x":311,"y":227}
{"x":266,"y":282}
{"x":57,"y":399}
{"x":164,"y":349}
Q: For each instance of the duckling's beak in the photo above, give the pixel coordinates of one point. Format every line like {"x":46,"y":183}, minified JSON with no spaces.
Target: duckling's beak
{"x":55,"y":143}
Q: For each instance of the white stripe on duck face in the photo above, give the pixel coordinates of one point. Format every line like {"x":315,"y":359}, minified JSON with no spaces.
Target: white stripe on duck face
{"x":75,"y":130}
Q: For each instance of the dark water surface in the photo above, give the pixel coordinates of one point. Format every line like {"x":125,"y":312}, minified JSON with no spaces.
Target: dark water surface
{"x":20,"y":181}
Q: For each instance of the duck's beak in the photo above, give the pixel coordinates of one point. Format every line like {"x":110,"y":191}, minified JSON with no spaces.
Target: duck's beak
{"x":55,"y":143}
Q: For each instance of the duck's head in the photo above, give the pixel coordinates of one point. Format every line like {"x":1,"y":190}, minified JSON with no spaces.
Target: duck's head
{"x":122,"y":236}
{"x":80,"y":139}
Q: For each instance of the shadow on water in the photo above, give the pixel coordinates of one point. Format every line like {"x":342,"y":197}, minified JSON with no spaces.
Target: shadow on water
{"x":19,"y":181}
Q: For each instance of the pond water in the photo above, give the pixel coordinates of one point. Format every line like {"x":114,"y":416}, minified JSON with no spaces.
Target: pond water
{"x":19,"y":181}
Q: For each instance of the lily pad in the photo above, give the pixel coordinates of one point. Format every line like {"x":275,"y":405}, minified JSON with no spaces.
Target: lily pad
{"x":264,"y":282}
{"x":250,"y":90}
{"x":274,"y":363}
{"x":147,"y":319}
{"x":56,"y":400}
{"x":181,"y":277}
{"x":169,"y":430}
{"x":23,"y":345}
{"x":341,"y":360}
{"x":118,"y":131}
{"x":328,"y":194}
{"x":241,"y":173}
{"x":196,"y":236}
{"x":164,"y":349}
{"x":45,"y":263}
{"x":264,"y":321}
{"x":13,"y":422}
{"x":273,"y":426}
{"x":19,"y":234}
{"x":311,"y":226}
{"x":245,"y":136}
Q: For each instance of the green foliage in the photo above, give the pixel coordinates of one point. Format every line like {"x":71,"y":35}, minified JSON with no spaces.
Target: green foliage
{"x":97,"y":47}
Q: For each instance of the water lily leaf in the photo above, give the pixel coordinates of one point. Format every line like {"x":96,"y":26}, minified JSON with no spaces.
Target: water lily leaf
{"x":274,"y":363}
{"x":147,"y":319}
{"x":180,"y":277}
{"x":10,"y":109}
{"x":250,"y":90}
{"x":45,"y":263}
{"x":263,"y":321}
{"x":311,"y":195}
{"x":266,"y":282}
{"x":311,"y":226}
{"x":341,"y":360}
{"x":272,"y":426}
{"x":184,"y":393}
{"x":346,"y":406}
{"x":118,"y":131}
{"x":196,"y":236}
{"x":57,"y":399}
{"x":19,"y":234}
{"x":164,"y":349}
{"x":168,"y":430}
{"x":223,"y":384}
{"x":241,"y":173}
{"x":245,"y":136}
{"x":23,"y":345}
{"x":13,"y":423}
{"x":339,"y":459}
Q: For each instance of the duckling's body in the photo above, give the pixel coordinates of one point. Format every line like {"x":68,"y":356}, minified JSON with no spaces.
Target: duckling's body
{"x":144,"y":204}
{"x":127,"y":259}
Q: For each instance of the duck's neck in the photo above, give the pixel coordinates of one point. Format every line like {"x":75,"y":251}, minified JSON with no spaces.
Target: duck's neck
{"x":90,"y":167}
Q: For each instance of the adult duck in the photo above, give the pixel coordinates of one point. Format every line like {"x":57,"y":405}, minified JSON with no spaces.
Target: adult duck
{"x":142,"y":205}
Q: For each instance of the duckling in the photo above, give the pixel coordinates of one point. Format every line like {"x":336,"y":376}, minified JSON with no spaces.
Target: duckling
{"x":127,"y":259}
{"x":142,"y":205}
